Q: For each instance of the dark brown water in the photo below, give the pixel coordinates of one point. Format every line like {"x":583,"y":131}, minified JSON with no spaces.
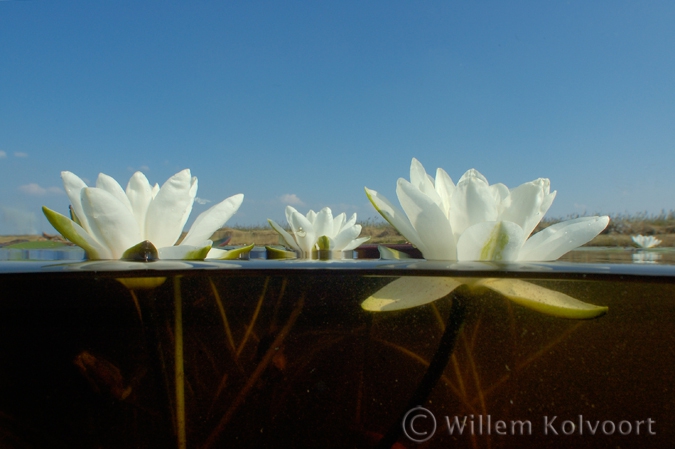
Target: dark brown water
{"x":280,"y":354}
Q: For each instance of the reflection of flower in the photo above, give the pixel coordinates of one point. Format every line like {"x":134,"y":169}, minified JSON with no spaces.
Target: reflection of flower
{"x":320,"y":231}
{"x":475,"y":221}
{"x":646,"y":257}
{"x":646,"y":241}
{"x":108,"y":221}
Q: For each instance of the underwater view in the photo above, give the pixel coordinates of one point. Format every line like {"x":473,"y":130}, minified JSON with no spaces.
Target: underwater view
{"x":258,"y":353}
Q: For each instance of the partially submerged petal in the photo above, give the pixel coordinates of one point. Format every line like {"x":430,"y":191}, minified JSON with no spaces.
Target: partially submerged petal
{"x":541,"y":299}
{"x":212,"y":219}
{"x":231,"y":254}
{"x":387,"y":253}
{"x":491,"y":240}
{"x":557,"y":239}
{"x":185,"y":252}
{"x":76,"y":234}
{"x":409,"y":291}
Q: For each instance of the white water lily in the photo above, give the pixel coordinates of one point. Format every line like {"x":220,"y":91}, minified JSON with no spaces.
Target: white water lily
{"x":644,"y":241}
{"x":108,"y":221}
{"x":316,"y":231}
{"x":476,"y":221}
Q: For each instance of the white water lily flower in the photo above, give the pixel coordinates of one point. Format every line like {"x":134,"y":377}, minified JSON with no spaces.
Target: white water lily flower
{"x":319,"y":231}
{"x":644,"y":241}
{"x":108,"y":220}
{"x":476,"y":221}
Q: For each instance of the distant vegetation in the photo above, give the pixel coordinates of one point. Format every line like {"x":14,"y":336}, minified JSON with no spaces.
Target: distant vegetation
{"x":621,"y":227}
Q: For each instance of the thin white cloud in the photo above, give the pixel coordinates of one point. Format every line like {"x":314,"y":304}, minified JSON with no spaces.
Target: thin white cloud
{"x":2,"y":154}
{"x":292,"y":199}
{"x":37,"y":190}
{"x":201,"y":200}
{"x":20,"y":154}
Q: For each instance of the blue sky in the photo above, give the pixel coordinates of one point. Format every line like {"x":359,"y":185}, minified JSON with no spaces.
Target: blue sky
{"x":306,"y":103}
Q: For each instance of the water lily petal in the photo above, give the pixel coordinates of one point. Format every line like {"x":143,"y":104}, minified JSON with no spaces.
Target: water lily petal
{"x":113,"y":187}
{"x":345,"y":237}
{"x":303,"y":230}
{"x":76,"y":234}
{"x":499,"y":192}
{"x":472,"y":202}
{"x":527,"y":204}
{"x":542,"y":299}
{"x":556,"y":240}
{"x":491,"y":240}
{"x":356,"y":243}
{"x":73,"y":186}
{"x":169,"y":210}
{"x":112,"y":223}
{"x":212,"y":219}
{"x":396,"y":217}
{"x":139,"y":193}
{"x":290,"y":241}
{"x":429,"y":221}
{"x":339,"y":222}
{"x":323,"y":223}
{"x":221,"y":254}
{"x":409,"y":291}
{"x":445,"y":188}
{"x":420,"y":179}
{"x":185,"y":252}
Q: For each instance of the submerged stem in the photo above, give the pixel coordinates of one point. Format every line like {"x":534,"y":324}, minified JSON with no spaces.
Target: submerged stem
{"x":178,"y":362}
{"x":435,"y":369}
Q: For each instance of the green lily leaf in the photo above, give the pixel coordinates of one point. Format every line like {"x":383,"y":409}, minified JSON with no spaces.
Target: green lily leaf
{"x":541,"y":299}
{"x":409,"y":291}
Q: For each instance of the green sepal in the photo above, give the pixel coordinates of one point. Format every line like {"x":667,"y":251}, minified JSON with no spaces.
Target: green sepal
{"x":69,"y":229}
{"x":387,"y":253}
{"x":198,"y":254}
{"x":236,"y":252}
{"x":73,"y":215}
{"x":276,"y":253}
